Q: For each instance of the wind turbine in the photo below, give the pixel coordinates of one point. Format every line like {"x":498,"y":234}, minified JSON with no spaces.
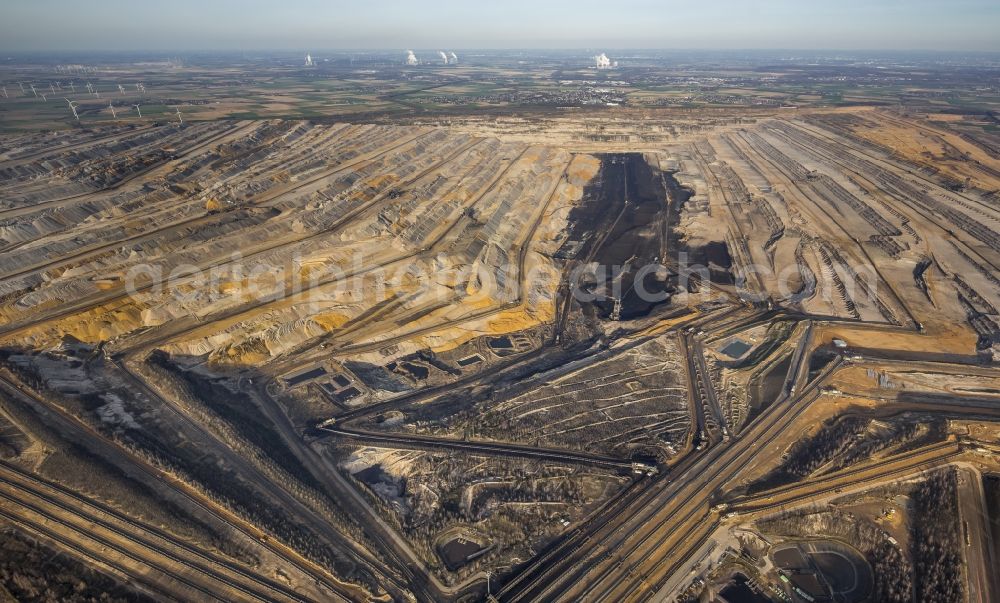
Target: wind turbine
{"x":33,"y":91}
{"x":121,"y":89}
{"x":90,"y":88}
{"x":72,"y":107}
{"x":52,"y":89}
{"x":22,"y":87}
{"x":5,"y":92}
{"x":72,"y":87}
{"x":44,"y":100}
{"x":112,"y":107}
{"x":179,"y":118}
{"x":138,"y":111}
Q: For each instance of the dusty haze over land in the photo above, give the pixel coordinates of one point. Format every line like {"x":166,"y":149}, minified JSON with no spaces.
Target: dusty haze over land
{"x":963,"y":25}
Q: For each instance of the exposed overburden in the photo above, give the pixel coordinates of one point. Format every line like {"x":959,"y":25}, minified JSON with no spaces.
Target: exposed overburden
{"x":561,"y":354}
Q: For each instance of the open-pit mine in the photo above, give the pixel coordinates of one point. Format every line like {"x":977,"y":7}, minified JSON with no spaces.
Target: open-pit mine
{"x":411,"y":333}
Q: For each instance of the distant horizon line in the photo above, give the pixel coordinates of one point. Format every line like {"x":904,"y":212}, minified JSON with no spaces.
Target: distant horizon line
{"x":403,"y":49}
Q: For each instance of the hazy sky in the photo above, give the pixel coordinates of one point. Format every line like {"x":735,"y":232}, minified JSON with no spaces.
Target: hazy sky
{"x":456,"y":25}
